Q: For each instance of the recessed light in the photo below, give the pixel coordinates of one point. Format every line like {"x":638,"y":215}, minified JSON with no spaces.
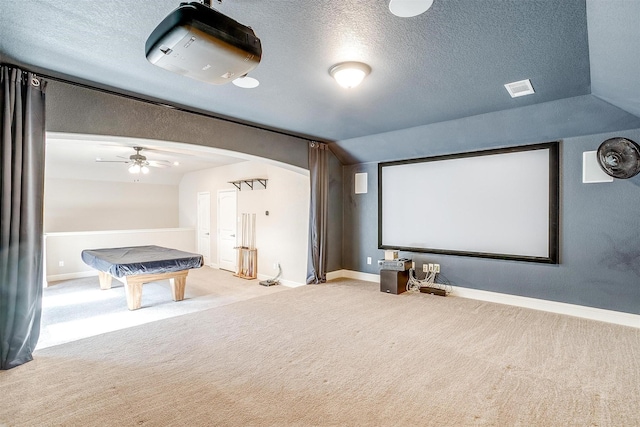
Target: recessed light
{"x":409,"y":8}
{"x":176,"y":163}
{"x":519,"y":88}
{"x":246,"y":82}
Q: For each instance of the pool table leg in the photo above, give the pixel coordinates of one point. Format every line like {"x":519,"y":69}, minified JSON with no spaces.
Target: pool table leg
{"x":105,"y":280}
{"x":133,"y":286}
{"x":133,"y":289}
{"x":177,"y":286}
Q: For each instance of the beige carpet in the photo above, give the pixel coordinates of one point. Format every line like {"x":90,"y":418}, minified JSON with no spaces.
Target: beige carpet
{"x":340,"y":354}
{"x":78,"y":308}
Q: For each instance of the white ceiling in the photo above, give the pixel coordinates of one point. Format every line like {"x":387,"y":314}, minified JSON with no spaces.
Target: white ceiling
{"x":73,"y":156}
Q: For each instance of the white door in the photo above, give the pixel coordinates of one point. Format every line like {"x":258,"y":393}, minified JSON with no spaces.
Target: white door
{"x":227,"y":229}
{"x":204,"y":227}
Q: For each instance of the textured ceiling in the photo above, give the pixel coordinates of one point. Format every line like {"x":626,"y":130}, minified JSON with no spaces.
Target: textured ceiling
{"x":614,"y":46}
{"x":448,"y":63}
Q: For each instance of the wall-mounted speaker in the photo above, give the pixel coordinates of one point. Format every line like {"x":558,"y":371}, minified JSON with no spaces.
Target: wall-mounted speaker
{"x":591,"y":171}
{"x":361,"y":183}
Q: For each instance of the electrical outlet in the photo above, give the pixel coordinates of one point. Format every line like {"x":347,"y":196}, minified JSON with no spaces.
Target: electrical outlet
{"x":425,"y":268}
{"x":368,"y":260}
{"x":60,"y":263}
{"x":430,"y":268}
{"x":275,"y":265}
{"x":436,"y":268}
{"x":413,"y":265}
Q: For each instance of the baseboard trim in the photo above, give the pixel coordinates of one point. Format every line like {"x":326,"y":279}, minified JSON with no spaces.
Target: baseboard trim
{"x":70,"y":276}
{"x":350,"y":274}
{"x":602,"y":315}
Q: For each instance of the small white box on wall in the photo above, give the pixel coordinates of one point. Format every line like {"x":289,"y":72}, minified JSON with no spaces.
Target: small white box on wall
{"x":361,"y":183}
{"x":591,"y":170}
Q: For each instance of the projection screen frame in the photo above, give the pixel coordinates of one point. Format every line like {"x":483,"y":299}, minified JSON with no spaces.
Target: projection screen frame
{"x":553,"y":193}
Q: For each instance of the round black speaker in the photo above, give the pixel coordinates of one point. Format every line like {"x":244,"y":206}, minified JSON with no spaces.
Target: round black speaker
{"x":619,"y":157}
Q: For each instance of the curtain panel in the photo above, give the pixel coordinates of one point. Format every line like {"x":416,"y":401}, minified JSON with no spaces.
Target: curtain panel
{"x":319,"y":180}
{"x":22,"y":135}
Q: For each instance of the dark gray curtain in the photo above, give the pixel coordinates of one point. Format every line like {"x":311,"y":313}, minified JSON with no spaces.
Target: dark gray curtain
{"x":21,"y":201}
{"x":319,"y":178}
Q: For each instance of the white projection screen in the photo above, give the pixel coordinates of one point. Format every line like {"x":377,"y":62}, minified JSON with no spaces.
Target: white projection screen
{"x":496,"y":204}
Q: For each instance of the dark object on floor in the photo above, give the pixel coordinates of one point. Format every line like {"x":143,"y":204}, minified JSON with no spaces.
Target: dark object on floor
{"x":393,"y":281}
{"x":274,"y":281}
{"x":269,"y":282}
{"x":433,"y":291}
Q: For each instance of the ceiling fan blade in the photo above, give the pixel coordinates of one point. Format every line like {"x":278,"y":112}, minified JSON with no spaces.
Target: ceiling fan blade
{"x":110,"y":161}
{"x":159,"y":163}
{"x":139,"y":159}
{"x":170,"y":152}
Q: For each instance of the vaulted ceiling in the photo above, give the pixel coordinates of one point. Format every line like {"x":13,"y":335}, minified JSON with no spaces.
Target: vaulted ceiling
{"x":448,"y":63}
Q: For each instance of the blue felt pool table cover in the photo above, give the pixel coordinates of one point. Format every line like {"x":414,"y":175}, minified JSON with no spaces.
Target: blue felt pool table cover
{"x":134,"y":260}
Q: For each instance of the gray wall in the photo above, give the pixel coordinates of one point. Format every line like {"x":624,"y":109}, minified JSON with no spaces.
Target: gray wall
{"x":549,"y":121}
{"x":335,"y":231}
{"x":79,"y":110}
{"x":599,"y":235}
{"x":614,"y":34}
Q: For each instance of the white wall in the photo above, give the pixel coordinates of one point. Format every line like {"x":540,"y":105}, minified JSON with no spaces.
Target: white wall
{"x":281,"y":236}
{"x":66,"y":247}
{"x":86,"y":214}
{"x":86,"y":205}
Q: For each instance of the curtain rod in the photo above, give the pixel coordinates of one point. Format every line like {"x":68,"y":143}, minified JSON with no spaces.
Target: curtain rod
{"x":160,"y":104}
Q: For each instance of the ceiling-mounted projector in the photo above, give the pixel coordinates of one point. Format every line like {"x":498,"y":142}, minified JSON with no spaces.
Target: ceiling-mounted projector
{"x":199,"y":42}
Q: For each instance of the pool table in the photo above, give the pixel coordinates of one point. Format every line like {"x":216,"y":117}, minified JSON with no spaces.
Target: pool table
{"x":137,"y":265}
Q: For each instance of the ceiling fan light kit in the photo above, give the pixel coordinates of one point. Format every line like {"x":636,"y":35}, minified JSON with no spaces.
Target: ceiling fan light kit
{"x":137,"y":168}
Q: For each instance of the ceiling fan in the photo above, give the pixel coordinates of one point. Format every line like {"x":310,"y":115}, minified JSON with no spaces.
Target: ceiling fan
{"x":138,"y":163}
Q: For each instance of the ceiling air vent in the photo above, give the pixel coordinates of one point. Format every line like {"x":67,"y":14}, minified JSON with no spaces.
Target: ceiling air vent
{"x":521,"y":88}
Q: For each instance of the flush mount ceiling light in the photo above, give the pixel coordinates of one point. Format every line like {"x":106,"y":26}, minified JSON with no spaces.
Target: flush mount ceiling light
{"x":349,"y":74}
{"x":520,"y":88}
{"x":246,"y":82}
{"x":409,"y":8}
